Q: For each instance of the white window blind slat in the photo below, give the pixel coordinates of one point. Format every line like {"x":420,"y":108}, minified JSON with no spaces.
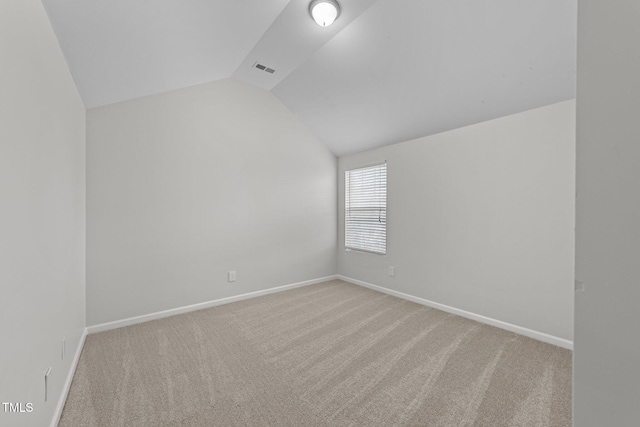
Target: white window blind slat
{"x":366,"y":209}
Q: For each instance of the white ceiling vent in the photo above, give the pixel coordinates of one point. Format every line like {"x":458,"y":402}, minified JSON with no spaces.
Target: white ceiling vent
{"x":264,"y":68}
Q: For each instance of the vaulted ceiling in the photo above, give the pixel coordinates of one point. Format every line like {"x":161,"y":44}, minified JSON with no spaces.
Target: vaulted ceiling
{"x":386,"y":71}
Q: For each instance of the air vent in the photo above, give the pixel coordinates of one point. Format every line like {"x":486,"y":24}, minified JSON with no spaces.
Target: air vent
{"x":264,"y":68}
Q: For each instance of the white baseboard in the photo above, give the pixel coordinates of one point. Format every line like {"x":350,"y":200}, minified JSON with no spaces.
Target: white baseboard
{"x":540,"y":336}
{"x":67,"y":384}
{"x":186,"y":309}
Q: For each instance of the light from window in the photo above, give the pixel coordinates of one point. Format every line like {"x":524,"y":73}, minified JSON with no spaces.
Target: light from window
{"x":365,"y":214}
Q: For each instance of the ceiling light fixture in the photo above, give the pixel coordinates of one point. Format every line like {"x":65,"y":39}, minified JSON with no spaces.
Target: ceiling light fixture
{"x":324,"y":12}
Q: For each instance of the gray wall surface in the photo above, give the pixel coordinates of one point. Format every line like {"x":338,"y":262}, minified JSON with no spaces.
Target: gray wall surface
{"x":607,"y":322}
{"x":42,"y":214}
{"x":188,"y":185}
{"x":480,"y":219}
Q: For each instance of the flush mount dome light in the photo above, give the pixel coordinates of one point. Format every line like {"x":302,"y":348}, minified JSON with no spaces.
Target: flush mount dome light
{"x":324,"y":12}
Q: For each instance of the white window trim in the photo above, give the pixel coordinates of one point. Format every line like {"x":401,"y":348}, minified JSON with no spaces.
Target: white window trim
{"x":363,"y":202}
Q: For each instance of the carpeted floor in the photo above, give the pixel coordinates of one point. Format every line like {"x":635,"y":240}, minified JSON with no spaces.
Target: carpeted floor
{"x":331,"y":354}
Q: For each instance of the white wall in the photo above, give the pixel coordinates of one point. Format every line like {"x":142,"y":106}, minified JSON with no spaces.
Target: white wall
{"x":187,"y":185}
{"x":607,"y":342}
{"x":480,"y":219}
{"x":42,"y":213}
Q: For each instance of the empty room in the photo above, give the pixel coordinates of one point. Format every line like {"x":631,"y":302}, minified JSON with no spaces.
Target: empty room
{"x":319,"y":213}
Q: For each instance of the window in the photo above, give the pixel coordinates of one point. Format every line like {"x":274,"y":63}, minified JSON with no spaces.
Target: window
{"x":365,"y":215}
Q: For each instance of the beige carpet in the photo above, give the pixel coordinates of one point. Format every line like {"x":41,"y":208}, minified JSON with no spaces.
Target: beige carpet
{"x":332,"y":354}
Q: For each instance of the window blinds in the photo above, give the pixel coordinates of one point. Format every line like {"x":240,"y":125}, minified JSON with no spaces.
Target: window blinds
{"x":366,"y":209}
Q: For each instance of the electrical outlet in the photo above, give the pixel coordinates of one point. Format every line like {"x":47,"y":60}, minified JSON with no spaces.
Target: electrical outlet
{"x":64,"y":347}
{"x":231,"y":276}
{"x":392,"y":271}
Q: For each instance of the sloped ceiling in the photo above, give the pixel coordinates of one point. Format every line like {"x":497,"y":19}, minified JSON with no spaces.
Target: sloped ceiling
{"x":385,"y":72}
